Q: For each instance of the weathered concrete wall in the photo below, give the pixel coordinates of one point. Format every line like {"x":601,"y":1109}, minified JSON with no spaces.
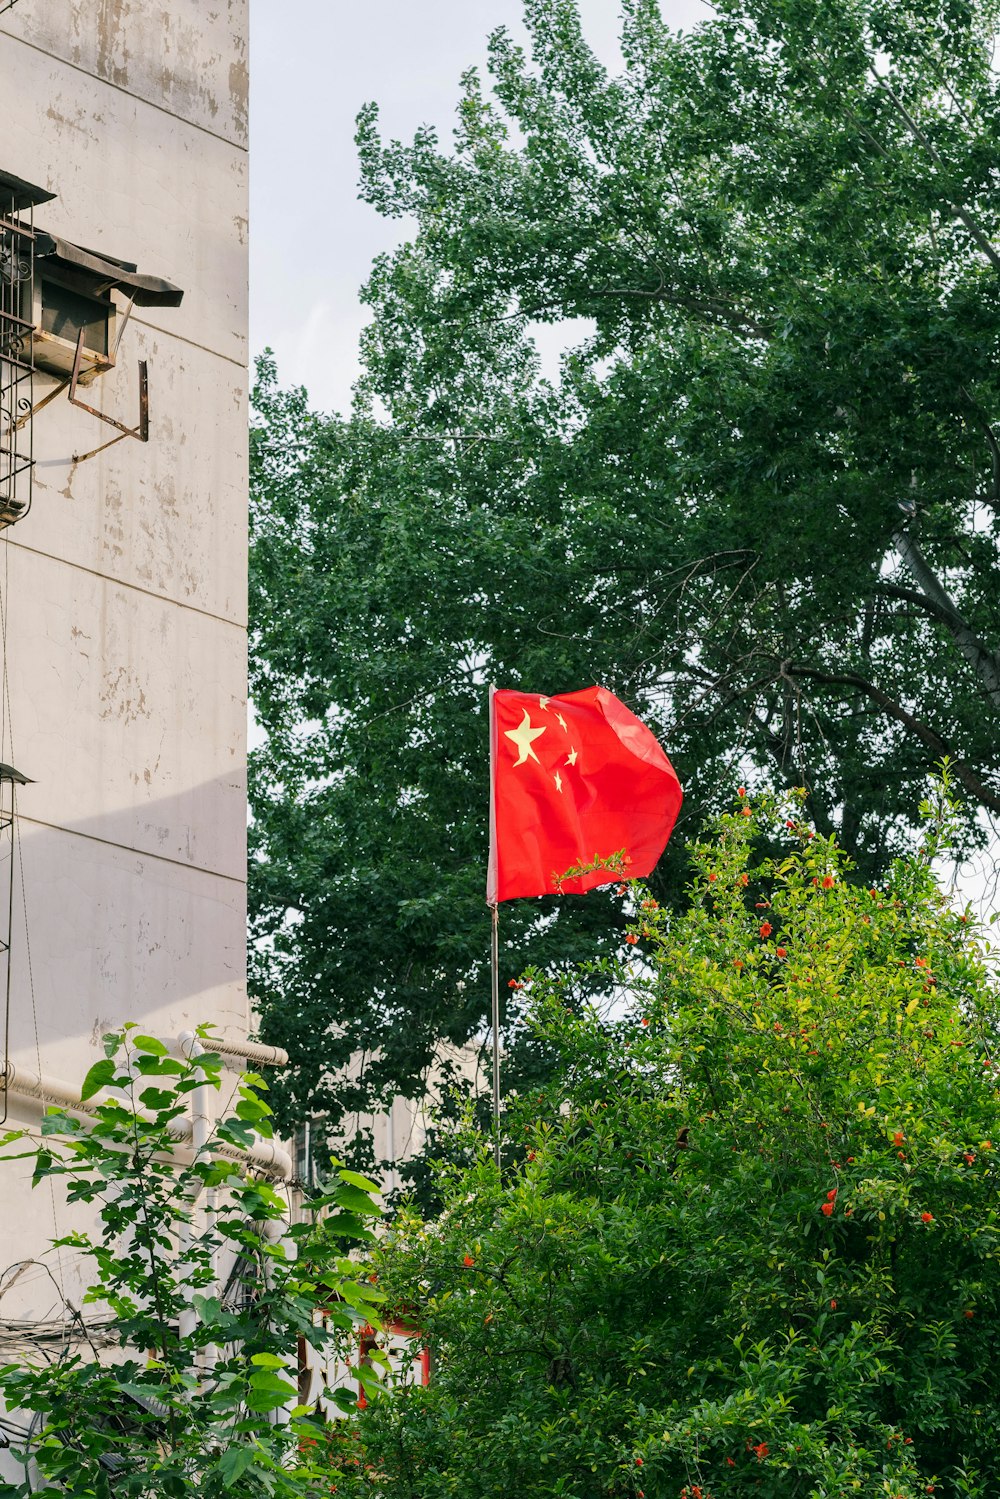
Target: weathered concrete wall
{"x":125,"y":588}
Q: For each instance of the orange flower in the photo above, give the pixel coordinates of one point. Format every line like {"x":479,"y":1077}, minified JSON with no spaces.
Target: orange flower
{"x":631,"y":938}
{"x":781,"y":952}
{"x":741,"y":791}
{"x":898,"y":1137}
{"x":927,"y":1217}
{"x":826,"y":1209}
{"x":744,"y":879}
{"x":766,"y":929}
{"x":468,"y":1261}
{"x":828,"y":882}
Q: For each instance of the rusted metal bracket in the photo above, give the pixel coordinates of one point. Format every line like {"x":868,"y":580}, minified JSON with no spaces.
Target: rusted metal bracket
{"x":140,"y":432}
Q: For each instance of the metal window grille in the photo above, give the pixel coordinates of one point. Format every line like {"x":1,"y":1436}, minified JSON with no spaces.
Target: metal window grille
{"x":6,"y":5}
{"x":17,"y":273}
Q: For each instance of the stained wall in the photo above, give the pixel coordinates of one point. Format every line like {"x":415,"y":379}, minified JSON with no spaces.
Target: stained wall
{"x":124,"y":589}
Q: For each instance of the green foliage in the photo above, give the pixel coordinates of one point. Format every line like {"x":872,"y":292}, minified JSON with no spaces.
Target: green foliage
{"x":749,"y":1244}
{"x":759,"y":501}
{"x":177,"y":1384}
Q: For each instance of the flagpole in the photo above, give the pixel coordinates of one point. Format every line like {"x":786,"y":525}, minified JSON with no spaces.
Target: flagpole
{"x":495,"y":954}
{"x":491,"y":897}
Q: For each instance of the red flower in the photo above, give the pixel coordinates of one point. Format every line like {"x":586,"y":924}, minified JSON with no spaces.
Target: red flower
{"x":737,"y":963}
{"x":514,"y":984}
{"x":828,"y":882}
{"x":746,"y":811}
{"x":761,"y":1451}
{"x":744,"y":879}
{"x":713,"y":876}
{"x":826,"y":1209}
{"x":968,"y":1312}
{"x":968,"y":1158}
{"x":781,"y":952}
{"x":927,"y":1217}
{"x":766,"y":929}
{"x":730,"y":1463}
{"x":833,"y":1306}
{"x":531,"y":1157}
{"x":631,"y":938}
{"x":831,"y":1196}
{"x":741,"y":791}
{"x":898,"y":1137}
{"x":638,"y":1462}
{"x":645,"y":1020}
{"x":467,"y":1260}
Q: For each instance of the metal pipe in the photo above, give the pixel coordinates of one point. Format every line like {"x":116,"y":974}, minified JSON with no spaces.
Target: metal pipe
{"x":265,"y":1156}
{"x":251,"y":1051}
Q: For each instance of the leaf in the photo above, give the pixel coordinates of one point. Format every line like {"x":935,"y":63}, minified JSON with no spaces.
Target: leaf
{"x":149,"y":1043}
{"x":101,"y":1075}
{"x":234,"y":1462}
{"x":356,"y":1201}
{"x":363,"y":1182}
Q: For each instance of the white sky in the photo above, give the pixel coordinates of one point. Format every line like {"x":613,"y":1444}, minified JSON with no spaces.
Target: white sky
{"x":313,"y":64}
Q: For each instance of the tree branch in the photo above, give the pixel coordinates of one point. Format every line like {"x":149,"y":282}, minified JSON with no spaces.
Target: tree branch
{"x":983,"y":661}
{"x":980,"y":238}
{"x":927,"y":736}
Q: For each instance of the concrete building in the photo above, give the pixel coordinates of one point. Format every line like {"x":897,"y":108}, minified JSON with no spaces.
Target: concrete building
{"x":123,"y":589}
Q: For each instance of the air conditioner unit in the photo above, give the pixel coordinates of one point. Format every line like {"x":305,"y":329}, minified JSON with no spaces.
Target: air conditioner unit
{"x":65,"y":307}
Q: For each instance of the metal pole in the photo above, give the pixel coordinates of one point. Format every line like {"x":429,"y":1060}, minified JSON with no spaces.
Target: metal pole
{"x":495,"y":953}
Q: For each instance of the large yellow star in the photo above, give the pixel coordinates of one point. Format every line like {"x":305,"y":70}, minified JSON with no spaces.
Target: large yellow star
{"x":522,"y":737}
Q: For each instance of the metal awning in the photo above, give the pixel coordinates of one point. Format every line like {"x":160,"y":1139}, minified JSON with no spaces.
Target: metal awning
{"x":24,"y":194}
{"x":107,"y":272}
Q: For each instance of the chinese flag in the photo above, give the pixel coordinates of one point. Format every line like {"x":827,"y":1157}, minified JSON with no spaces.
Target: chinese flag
{"x":574,"y":778}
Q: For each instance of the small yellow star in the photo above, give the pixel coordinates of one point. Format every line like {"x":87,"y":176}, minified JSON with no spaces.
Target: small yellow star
{"x":543,"y":702}
{"x":571,"y":757}
{"x":522,"y":737}
{"x":563,"y":722}
{"x":558,"y":781}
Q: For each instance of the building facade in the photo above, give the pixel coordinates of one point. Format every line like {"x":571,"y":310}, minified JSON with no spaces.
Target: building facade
{"x":123,"y":587}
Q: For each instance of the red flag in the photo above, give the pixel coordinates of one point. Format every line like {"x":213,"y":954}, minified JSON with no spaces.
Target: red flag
{"x":574,"y":778}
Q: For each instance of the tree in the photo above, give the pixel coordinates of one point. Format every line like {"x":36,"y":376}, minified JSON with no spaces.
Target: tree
{"x":745,"y":1241}
{"x":759,"y":502}
{"x":172,"y":1385}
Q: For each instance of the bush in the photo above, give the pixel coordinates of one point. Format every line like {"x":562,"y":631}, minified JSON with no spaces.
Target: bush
{"x":146,"y":1399}
{"x":749,"y":1245}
